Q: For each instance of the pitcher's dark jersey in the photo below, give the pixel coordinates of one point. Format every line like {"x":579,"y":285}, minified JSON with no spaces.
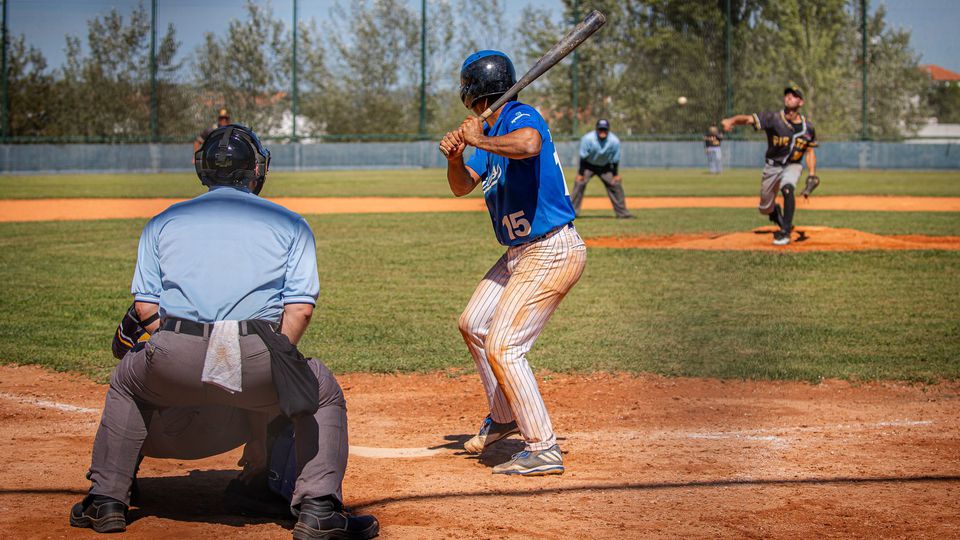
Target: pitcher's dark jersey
{"x":786,"y":141}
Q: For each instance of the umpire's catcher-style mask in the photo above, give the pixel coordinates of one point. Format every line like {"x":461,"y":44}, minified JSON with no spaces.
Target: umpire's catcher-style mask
{"x":232,"y":156}
{"x":484,"y":74}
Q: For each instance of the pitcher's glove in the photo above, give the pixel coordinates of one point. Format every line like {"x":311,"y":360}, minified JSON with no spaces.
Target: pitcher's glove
{"x":129,"y":332}
{"x":812,"y":182}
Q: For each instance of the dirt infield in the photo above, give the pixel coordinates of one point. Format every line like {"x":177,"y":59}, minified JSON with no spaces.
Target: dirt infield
{"x":804,"y":239}
{"x":93,"y":209}
{"x":647,"y":457}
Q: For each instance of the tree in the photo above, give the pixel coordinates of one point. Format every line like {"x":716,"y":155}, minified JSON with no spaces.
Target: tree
{"x":106,"y":93}
{"x":945,"y":103}
{"x":247,"y":70}
{"x":31,"y":87}
{"x":374,"y":83}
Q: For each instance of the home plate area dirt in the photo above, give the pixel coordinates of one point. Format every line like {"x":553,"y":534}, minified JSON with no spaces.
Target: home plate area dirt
{"x":647,"y":457}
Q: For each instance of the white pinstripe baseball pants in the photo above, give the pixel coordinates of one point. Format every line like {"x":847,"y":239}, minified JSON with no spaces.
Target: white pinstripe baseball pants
{"x":506,"y":313}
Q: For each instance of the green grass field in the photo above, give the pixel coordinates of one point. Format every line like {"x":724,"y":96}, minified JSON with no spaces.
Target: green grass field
{"x":433,"y":183}
{"x":393,"y":285}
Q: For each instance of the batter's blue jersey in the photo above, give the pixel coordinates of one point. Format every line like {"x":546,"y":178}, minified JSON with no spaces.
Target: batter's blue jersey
{"x":526,"y":197}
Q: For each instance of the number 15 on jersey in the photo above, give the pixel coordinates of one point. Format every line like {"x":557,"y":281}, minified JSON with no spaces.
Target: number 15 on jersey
{"x":516,"y":225}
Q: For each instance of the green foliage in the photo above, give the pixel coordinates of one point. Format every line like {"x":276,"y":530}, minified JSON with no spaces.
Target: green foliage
{"x":945,"y":101}
{"x":105,"y":93}
{"x":28,"y":78}
{"x":653,"y":51}
{"x":247,"y":70}
{"x":361,"y":74}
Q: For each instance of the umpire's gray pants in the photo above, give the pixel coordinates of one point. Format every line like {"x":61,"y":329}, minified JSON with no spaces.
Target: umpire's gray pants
{"x":166,"y":373}
{"x":614,"y":191}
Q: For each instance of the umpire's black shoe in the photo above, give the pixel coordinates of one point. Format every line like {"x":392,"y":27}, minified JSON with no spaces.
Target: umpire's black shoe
{"x":318,"y":521}
{"x":99,"y":513}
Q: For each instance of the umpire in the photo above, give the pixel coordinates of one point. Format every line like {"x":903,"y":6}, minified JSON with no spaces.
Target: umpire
{"x":226,"y":284}
{"x":600,"y":155}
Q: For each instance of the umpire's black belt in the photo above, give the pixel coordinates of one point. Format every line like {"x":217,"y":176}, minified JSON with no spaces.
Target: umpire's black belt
{"x":193,"y":328}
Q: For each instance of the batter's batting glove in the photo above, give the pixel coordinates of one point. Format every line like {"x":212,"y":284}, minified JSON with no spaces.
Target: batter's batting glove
{"x":812,"y":182}
{"x":129,"y":333}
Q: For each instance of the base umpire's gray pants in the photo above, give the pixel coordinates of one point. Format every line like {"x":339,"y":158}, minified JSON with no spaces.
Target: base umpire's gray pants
{"x":166,"y":373}
{"x":614,"y":191}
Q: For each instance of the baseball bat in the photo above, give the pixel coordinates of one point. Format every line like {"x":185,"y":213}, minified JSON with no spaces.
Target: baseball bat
{"x":580,"y":33}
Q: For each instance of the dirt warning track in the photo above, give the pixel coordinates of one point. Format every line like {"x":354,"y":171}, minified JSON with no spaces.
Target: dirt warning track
{"x":93,"y":209}
{"x":647,"y":457}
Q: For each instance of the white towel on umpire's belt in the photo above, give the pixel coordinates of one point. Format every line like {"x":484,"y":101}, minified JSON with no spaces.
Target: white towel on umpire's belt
{"x":222,"y":367}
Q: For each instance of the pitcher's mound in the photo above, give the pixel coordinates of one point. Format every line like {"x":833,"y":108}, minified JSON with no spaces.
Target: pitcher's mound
{"x":760,"y":239}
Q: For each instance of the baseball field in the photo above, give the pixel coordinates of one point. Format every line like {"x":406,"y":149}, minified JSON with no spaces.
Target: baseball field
{"x":702,"y":383}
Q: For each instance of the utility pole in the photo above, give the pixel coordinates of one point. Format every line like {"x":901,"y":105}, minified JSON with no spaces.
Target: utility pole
{"x":294,"y":96}
{"x":574,"y":90}
{"x":864,"y":128}
{"x":423,"y":70}
{"x":727,"y":59}
{"x":154,"y":101}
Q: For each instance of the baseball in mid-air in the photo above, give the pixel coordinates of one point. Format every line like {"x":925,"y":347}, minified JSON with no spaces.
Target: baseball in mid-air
{"x":681,"y":101}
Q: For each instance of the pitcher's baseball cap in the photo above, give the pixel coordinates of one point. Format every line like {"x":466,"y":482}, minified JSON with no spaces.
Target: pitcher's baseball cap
{"x":793,"y":88}
{"x":603,"y":124}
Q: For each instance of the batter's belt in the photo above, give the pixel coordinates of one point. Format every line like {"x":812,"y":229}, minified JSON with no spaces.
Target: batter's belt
{"x":549,"y":233}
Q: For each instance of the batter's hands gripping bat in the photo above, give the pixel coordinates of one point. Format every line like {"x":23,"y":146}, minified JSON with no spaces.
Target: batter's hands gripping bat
{"x":587,"y":27}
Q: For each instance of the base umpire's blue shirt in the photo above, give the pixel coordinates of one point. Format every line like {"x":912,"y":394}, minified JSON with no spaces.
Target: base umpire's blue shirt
{"x":526,"y":197}
{"x":226,"y":255}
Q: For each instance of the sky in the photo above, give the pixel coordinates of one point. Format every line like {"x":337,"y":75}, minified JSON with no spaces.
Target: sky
{"x":933,"y":23}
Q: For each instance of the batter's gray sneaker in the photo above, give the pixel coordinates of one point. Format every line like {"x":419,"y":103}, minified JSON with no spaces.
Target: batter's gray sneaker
{"x":490,"y":432}
{"x":533,"y":463}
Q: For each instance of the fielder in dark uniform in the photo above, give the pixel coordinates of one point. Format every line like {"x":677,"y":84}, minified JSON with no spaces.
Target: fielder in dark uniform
{"x":600,"y":155}
{"x":711,"y":141}
{"x":790,"y":138}
{"x":225,"y":284}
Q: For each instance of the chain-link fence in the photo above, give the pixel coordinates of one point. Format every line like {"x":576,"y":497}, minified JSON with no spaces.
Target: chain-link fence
{"x":328,"y":70}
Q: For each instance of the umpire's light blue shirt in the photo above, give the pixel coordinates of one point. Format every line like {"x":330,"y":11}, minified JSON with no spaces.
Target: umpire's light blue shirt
{"x":226,"y":255}
{"x":600,"y":152}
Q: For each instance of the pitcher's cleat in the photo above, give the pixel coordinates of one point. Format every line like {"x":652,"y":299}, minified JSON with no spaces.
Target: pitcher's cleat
{"x":490,"y":432}
{"x":533,"y":463}
{"x":781,"y":238}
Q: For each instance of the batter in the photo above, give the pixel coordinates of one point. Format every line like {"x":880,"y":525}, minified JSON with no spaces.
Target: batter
{"x":519,"y":171}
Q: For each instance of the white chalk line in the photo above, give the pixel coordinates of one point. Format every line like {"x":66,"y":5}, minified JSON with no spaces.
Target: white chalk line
{"x":44,"y":404}
{"x":370,"y":452}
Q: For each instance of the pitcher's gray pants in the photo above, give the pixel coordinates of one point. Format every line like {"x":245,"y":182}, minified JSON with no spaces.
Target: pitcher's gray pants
{"x":614,"y":191}
{"x":166,"y":373}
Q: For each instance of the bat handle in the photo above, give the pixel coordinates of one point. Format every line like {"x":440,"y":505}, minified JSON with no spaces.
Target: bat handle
{"x":483,"y":116}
